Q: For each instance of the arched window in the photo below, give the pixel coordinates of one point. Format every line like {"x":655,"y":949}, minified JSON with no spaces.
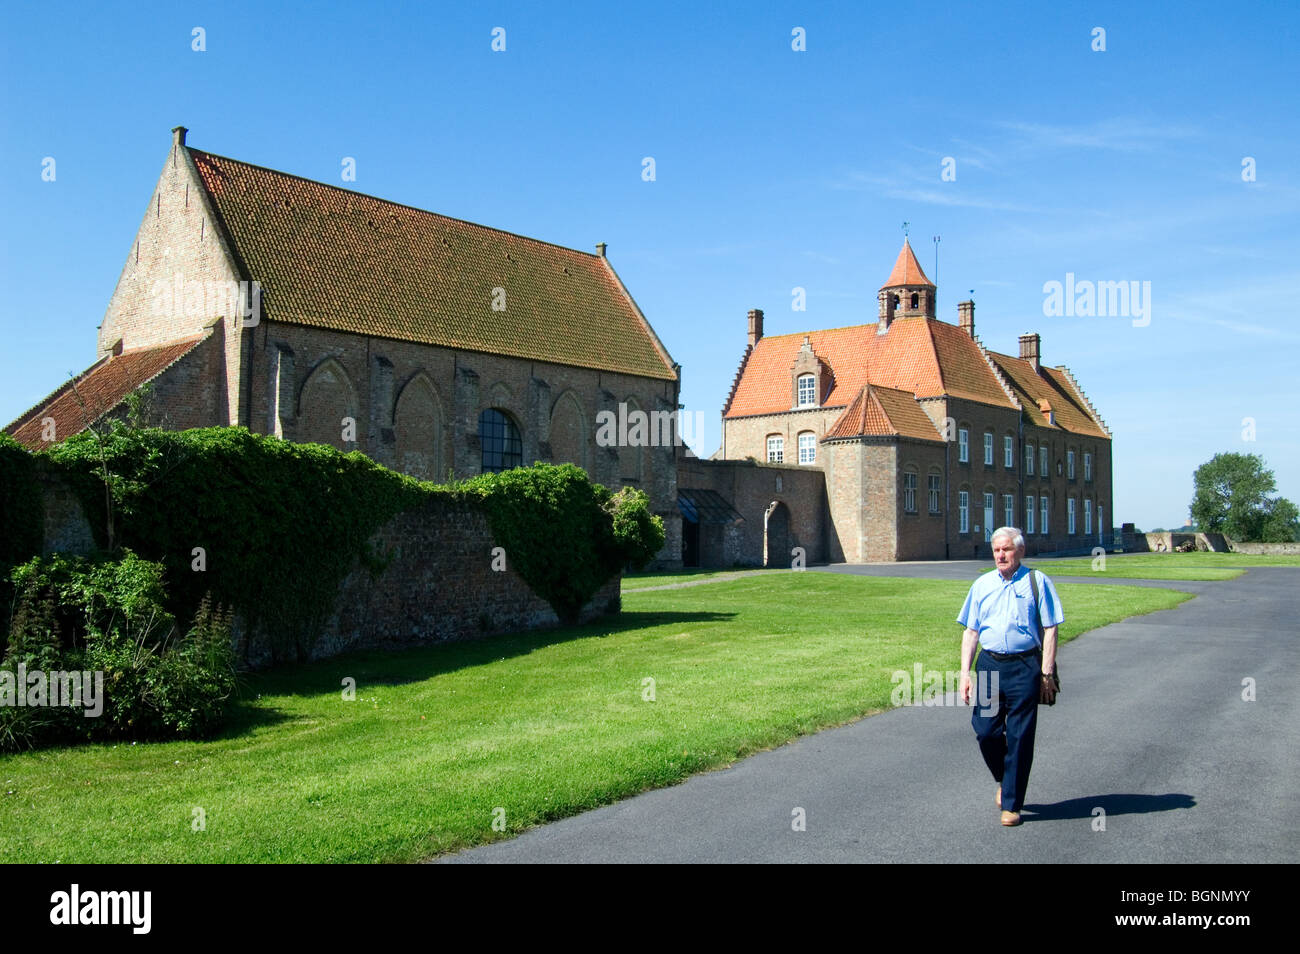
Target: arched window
{"x":775,"y":449}
{"x":499,"y":439}
{"x":916,"y":300}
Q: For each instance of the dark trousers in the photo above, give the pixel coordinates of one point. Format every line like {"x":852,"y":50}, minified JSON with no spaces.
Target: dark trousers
{"x":1006,"y":737}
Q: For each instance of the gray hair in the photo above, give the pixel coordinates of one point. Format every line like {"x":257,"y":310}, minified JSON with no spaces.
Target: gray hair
{"x":1017,"y":538}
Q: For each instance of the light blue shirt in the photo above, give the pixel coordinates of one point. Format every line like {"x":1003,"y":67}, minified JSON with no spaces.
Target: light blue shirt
{"x":999,"y":610}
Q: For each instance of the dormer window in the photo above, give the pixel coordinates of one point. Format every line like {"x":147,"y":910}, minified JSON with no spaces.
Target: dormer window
{"x":807,"y":390}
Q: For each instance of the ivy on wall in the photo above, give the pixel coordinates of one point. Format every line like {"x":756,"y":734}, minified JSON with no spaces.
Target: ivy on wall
{"x":271,"y":527}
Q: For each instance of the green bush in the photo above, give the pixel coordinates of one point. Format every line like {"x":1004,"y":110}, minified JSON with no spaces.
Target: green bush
{"x":108,"y":616}
{"x":21,"y":515}
{"x":565,"y":535}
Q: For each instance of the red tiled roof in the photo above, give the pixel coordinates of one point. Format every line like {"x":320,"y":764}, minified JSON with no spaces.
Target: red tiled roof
{"x":331,"y":258}
{"x":884,"y":412}
{"x":101,"y":387}
{"x":1049,"y":386}
{"x":907,"y":270}
{"x":925,"y":356}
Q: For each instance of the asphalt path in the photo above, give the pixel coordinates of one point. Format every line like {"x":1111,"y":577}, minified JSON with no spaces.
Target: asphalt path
{"x":1151,"y":728}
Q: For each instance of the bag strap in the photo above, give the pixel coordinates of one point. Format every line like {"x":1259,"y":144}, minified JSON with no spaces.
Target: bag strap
{"x":1038,"y":608}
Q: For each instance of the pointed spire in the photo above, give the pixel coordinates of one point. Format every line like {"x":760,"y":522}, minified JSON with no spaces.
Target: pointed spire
{"x":907,"y":270}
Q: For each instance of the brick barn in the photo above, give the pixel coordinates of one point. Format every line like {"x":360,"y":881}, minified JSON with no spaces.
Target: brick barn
{"x":905,"y":439}
{"x":435,"y":346}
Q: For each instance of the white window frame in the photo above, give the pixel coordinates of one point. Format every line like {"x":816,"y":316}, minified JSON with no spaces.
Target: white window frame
{"x":963,"y":510}
{"x":776,"y":449}
{"x":963,"y":445}
{"x":935,"y":486}
{"x":1087,"y":516}
{"x":1087,"y":465}
{"x":1029,"y":514}
{"x":811,"y":390}
{"x":988,"y":517}
{"x":988,"y":448}
{"x":1044,"y":471}
{"x":1044,"y":511}
{"x":1069,"y":465}
{"x":810,"y":445}
{"x":1029,"y":460}
{"x":1069,"y":516}
{"x":1009,"y":509}
{"x":1008,"y":453}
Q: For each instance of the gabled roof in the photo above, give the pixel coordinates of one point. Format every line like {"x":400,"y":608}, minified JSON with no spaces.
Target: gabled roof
{"x":884,"y":412}
{"x":925,"y":356}
{"x":907,"y":270}
{"x":102,"y":387}
{"x":331,"y":258}
{"x":1053,"y":386}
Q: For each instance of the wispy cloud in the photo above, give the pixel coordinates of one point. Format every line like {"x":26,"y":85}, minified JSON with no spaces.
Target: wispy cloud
{"x":1117,"y":134}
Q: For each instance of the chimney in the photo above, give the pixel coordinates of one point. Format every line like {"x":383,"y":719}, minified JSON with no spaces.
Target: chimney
{"x":966,"y":317}
{"x":600,"y":249}
{"x":1029,"y":345}
{"x":178,"y":135}
{"x":755,"y":326}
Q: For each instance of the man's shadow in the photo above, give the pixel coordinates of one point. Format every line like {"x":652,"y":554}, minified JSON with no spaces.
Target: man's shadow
{"x":1113,"y":804}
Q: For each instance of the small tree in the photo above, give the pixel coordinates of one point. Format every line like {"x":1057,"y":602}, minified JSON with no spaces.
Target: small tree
{"x":1232,"y":496}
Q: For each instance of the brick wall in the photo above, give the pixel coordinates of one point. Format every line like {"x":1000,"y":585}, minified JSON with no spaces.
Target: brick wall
{"x":439,"y":585}
{"x":751,"y":489}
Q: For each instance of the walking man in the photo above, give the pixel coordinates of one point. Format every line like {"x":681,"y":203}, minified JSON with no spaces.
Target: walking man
{"x":1013,"y":616}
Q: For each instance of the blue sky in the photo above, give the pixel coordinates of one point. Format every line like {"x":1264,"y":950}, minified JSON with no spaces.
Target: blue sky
{"x":775,"y":169}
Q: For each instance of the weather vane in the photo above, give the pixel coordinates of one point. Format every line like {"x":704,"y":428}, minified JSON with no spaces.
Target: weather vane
{"x":905,"y":225}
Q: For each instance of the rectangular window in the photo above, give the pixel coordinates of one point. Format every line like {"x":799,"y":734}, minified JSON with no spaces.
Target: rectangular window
{"x":807,"y":448}
{"x":775,"y":449}
{"x":1042,"y":515}
{"x":1101,"y":525}
{"x":963,"y":445}
{"x":1009,"y":509}
{"x":1087,"y":517}
{"x":936,"y":487}
{"x":909,"y":493}
{"x":988,"y":516}
{"x":963,"y":509}
{"x":1029,"y":515}
{"x":1087,"y":466}
{"x":988,"y":449}
{"x":1008,"y":453}
{"x":1069,"y":515}
{"x":807,"y":390}
{"x":1042,"y":459}
{"x":1069,"y":465}
{"x":1029,"y":460}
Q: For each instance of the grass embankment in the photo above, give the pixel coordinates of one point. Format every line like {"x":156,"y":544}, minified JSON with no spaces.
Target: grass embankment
{"x":541,"y":725}
{"x":1166,"y":566}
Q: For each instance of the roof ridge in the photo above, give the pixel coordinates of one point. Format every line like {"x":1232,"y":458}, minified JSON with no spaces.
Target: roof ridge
{"x":1092,"y":410}
{"x":400,"y":205}
{"x":998,"y":375}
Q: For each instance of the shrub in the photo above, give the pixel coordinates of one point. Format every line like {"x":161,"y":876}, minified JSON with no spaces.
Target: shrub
{"x":108,"y":616}
{"x":21,"y":514}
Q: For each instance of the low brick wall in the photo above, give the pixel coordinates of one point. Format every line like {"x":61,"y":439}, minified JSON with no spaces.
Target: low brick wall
{"x":438,"y":585}
{"x":1265,"y":548}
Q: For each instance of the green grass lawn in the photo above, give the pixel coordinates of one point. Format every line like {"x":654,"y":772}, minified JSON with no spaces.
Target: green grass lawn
{"x":541,"y":725}
{"x":641,"y":581}
{"x":1167,"y":566}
